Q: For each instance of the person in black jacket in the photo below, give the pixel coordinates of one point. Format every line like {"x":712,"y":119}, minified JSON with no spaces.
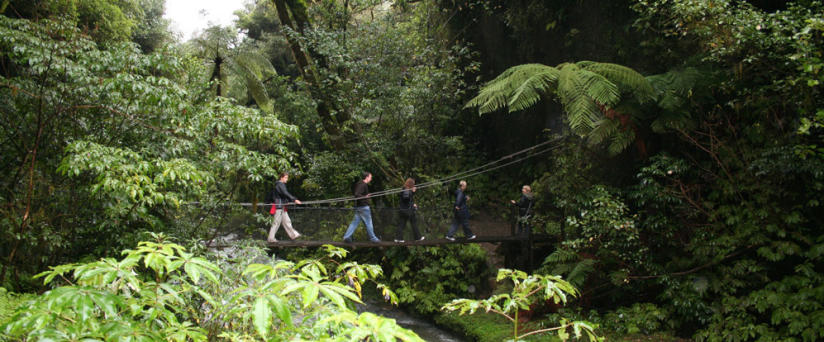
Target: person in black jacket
{"x":362,"y":211}
{"x":282,"y":198}
{"x":524,"y":205}
{"x":407,"y":211}
{"x":461,"y":214}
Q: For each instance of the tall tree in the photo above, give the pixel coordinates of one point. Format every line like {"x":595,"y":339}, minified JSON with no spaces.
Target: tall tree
{"x":293,"y":15}
{"x":102,"y":144}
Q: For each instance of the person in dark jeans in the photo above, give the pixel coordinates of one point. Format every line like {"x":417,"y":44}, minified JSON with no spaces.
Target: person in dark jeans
{"x":362,"y":211}
{"x":524,"y":205}
{"x":461,"y":214}
{"x":407,"y":212}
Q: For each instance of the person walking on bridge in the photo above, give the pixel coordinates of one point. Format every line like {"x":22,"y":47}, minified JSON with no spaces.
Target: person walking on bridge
{"x":362,"y":211}
{"x":524,"y":205}
{"x":407,"y":212}
{"x":282,"y":198}
{"x":461,"y":216}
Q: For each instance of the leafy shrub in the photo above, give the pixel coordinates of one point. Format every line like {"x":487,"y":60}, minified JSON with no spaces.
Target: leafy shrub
{"x":9,"y":301}
{"x":158,"y":291}
{"x":427,"y":277}
{"x":643,"y":318}
{"x":528,"y":289}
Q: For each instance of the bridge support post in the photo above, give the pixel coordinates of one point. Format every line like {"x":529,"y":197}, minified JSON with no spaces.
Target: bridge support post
{"x":519,"y":254}
{"x":528,"y":250}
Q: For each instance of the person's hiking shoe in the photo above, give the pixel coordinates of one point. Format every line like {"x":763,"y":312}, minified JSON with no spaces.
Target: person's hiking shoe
{"x":347,"y":240}
{"x":449,"y":238}
{"x":471,"y":237}
{"x":376,"y":240}
{"x":272,"y":240}
{"x":422,"y":238}
{"x":399,"y":241}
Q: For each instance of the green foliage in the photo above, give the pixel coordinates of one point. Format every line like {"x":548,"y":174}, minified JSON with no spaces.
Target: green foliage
{"x":158,"y":291}
{"x":122,"y":133}
{"x":394,"y":88}
{"x":235,"y":70}
{"x":106,"y":22}
{"x":427,"y":277}
{"x":811,"y":61}
{"x":479,"y":326}
{"x":587,"y":91}
{"x":10,"y":301}
{"x":528,"y":289}
{"x":600,"y":235}
{"x":640,"y":318}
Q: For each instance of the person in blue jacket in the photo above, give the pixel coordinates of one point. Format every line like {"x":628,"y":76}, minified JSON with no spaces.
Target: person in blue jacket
{"x":461,"y":216}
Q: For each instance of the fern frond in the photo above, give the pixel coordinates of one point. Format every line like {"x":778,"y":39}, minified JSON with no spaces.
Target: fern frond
{"x":257,"y":64}
{"x":599,"y":88}
{"x":561,"y":255}
{"x":674,"y":89}
{"x":620,"y":140}
{"x":517,"y":87}
{"x":582,"y":111}
{"x":531,"y":90}
{"x":678,"y":119}
{"x":253,"y":68}
{"x":578,"y":275}
{"x":680,"y":82}
{"x":626,"y":78}
{"x":604,"y":129}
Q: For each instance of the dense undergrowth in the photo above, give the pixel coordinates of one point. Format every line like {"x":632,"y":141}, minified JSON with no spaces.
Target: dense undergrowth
{"x":683,"y":184}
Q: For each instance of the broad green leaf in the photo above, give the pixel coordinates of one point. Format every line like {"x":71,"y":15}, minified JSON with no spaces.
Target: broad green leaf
{"x":262,"y":316}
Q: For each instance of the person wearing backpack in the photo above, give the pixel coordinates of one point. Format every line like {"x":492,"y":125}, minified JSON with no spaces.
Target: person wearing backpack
{"x":407,"y":212}
{"x":282,"y":197}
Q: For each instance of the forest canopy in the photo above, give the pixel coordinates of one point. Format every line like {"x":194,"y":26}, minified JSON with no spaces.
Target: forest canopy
{"x":682,"y":194}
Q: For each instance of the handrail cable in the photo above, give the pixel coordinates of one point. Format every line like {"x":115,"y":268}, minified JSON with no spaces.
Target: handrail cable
{"x":464,"y":174}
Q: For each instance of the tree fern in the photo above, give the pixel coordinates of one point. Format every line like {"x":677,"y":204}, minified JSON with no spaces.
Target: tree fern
{"x":252,"y":69}
{"x":585,"y":90}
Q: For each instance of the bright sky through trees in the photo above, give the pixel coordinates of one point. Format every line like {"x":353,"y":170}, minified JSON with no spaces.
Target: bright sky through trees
{"x":190,"y":16}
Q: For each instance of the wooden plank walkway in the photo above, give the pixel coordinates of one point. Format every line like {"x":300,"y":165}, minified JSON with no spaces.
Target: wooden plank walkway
{"x":391,"y":243}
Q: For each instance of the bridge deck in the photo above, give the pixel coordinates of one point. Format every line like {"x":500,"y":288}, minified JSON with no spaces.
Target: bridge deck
{"x":391,"y":243}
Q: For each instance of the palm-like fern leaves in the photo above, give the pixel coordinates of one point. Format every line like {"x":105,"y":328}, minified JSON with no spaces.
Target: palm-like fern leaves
{"x":571,"y":265}
{"x":585,"y":89}
{"x":517,"y":88}
{"x":251,"y":70}
{"x":675,"y":89}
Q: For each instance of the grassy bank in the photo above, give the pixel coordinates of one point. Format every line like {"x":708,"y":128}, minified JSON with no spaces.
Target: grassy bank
{"x":482,"y":327}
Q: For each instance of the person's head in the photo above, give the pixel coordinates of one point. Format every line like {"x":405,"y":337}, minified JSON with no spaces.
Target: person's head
{"x":462,"y":184}
{"x":283,"y":177}
{"x":366,"y":176}
{"x":526,"y":189}
{"x":409,"y":183}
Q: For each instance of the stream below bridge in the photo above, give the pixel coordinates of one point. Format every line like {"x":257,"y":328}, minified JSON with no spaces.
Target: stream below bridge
{"x":427,"y":330}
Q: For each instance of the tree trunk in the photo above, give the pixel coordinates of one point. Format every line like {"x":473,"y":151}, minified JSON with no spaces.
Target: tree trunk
{"x":298,"y":10}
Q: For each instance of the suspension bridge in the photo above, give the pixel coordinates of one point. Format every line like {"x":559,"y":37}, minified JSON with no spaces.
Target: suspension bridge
{"x":321,"y":222}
